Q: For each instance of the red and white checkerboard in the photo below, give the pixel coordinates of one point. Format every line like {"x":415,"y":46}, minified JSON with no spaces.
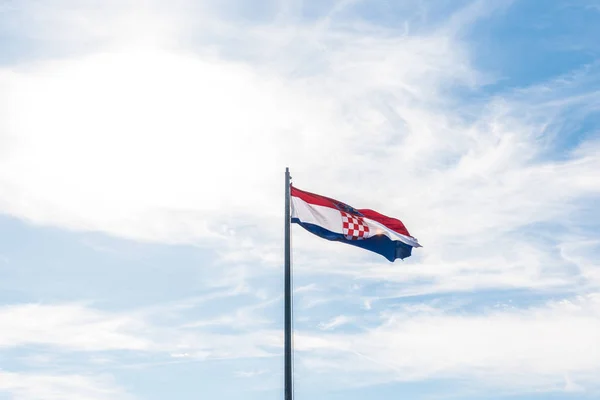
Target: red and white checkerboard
{"x":354,"y":227}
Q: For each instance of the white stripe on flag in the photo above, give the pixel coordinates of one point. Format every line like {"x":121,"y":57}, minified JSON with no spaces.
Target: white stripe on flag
{"x":324,"y":217}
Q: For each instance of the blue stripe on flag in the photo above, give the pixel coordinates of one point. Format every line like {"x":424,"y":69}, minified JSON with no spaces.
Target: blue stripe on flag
{"x":380,"y":244}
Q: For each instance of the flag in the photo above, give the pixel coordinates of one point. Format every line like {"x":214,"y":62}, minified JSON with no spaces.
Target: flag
{"x":333,"y":220}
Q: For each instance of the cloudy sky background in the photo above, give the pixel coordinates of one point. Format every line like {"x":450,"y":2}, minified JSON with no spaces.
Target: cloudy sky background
{"x":142,"y":151}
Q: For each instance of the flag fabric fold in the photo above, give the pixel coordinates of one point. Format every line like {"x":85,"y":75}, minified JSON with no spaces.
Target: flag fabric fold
{"x":336,"y":221}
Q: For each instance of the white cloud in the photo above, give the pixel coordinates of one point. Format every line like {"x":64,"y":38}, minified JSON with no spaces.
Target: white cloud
{"x":155,"y":142}
{"x":582,"y":253}
{"x":335,"y":322}
{"x":163,"y":331}
{"x":25,"y":386}
{"x":571,"y":386}
{"x":180,"y":134}
{"x":69,"y":326}
{"x":532,"y":349}
{"x":250,"y":374}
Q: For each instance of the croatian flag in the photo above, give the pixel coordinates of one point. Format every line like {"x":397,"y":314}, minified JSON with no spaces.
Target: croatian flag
{"x":334,"y":220}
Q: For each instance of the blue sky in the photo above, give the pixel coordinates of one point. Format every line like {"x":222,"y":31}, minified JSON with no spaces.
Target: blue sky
{"x":142,"y":150}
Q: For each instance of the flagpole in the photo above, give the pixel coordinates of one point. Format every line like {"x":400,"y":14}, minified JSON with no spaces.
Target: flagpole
{"x":288,"y":294}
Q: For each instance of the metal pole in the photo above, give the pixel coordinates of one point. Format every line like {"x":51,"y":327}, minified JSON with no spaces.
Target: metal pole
{"x":288,"y":294}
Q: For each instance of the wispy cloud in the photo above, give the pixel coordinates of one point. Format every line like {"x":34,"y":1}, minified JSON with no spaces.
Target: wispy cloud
{"x":76,"y":328}
{"x":335,"y":322}
{"x":60,"y":387}
{"x":250,"y":374}
{"x":529,"y":348}
{"x":69,"y":326}
{"x":375,"y":105}
{"x":293,"y":116}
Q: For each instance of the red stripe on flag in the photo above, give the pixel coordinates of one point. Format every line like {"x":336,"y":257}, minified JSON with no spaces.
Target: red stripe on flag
{"x":392,"y":223}
{"x":312,"y":198}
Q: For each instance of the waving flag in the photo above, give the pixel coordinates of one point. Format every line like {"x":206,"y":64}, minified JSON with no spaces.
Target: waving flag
{"x":333,"y":220}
